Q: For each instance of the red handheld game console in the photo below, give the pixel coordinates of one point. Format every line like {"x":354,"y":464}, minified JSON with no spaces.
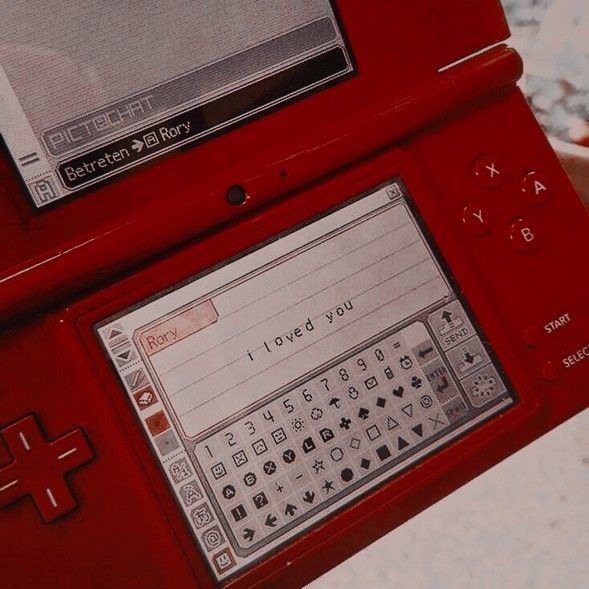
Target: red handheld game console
{"x":346,"y":308}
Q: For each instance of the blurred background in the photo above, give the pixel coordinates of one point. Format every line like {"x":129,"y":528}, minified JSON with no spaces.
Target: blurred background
{"x":525,"y":523}
{"x":553,"y":38}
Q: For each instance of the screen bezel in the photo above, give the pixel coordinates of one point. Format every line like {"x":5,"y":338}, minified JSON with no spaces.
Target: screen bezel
{"x":431,"y":455}
{"x":390,"y":505}
{"x":112,"y":181}
{"x":120,"y":225}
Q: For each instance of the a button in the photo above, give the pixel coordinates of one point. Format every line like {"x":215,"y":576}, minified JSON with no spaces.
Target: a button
{"x":39,"y":467}
{"x":551,"y":371}
{"x":477,"y":218}
{"x":523,"y":236}
{"x":532,"y":336}
{"x":535,"y":188}
{"x":490,"y":171}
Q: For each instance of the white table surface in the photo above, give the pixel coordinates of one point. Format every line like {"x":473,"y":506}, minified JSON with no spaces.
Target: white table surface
{"x":522,"y":525}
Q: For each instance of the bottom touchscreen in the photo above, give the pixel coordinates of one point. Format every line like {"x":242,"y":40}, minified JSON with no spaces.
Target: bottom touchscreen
{"x":281,"y":386}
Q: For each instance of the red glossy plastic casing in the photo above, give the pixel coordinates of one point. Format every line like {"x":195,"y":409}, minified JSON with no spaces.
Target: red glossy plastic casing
{"x":397,"y":47}
{"x":127,"y":530}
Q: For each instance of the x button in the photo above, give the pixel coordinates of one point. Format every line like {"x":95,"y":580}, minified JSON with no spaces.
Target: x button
{"x":39,"y":467}
{"x":490,"y":171}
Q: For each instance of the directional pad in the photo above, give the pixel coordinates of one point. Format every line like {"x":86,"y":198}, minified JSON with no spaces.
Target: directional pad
{"x":39,"y":467}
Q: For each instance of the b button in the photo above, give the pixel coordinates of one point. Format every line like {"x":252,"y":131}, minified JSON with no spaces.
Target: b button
{"x":523,"y":236}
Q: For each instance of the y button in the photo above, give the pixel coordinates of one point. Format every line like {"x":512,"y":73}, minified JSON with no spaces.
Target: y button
{"x":39,"y":467}
{"x":476,"y":218}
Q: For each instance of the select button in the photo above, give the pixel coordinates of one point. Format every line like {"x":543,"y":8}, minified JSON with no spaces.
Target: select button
{"x":551,"y":371}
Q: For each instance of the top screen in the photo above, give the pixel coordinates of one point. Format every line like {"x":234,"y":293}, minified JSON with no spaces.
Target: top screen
{"x":90,"y":90}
